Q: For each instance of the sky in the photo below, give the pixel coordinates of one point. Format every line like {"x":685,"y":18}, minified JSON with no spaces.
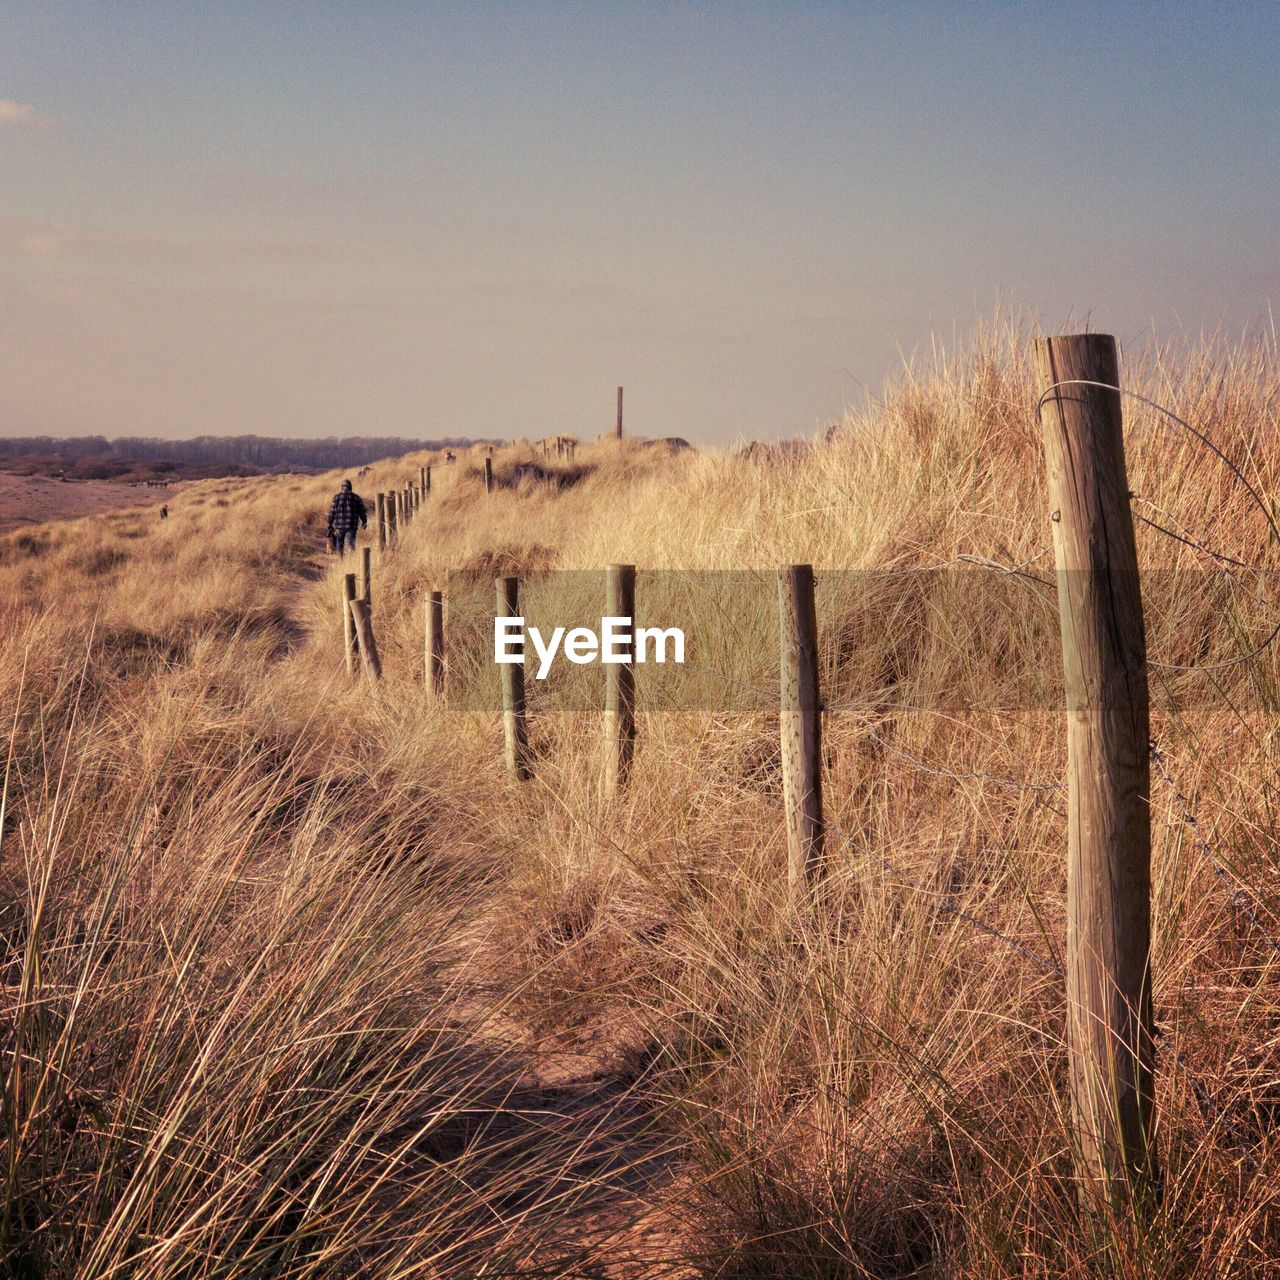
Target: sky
{"x":429,"y":219}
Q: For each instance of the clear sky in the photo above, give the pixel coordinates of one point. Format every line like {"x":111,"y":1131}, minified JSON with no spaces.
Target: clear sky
{"x":427,"y":219}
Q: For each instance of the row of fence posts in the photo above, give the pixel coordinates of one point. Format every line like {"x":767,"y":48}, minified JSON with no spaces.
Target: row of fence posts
{"x":565,"y":446}
{"x":395,"y":509}
{"x":1109,"y":1023}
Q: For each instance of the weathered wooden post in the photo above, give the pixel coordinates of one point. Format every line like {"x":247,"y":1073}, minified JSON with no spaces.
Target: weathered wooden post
{"x":362,"y":618}
{"x":393,"y":521}
{"x":434,"y":654}
{"x":488,"y":475}
{"x":620,"y":680}
{"x":426,"y":484}
{"x":349,"y":644}
{"x":618,"y":432}
{"x":382,"y":521}
{"x":422,"y":481}
{"x":515,"y":726}
{"x":1109,"y":1017}
{"x":366,"y":575}
{"x":800,"y":724}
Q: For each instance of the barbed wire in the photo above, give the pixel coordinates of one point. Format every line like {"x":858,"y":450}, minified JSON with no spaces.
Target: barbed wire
{"x":1254,"y":495}
{"x":946,"y":902}
{"x":1213,"y":1110}
{"x":952,"y":775}
{"x":1238,"y":896}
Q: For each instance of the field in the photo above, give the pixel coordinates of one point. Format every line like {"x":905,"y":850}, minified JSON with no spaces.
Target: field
{"x":298,"y":982}
{"x":27,"y":500}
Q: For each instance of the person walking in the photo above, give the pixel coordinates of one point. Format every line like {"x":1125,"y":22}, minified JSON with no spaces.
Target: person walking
{"x":346,"y":514}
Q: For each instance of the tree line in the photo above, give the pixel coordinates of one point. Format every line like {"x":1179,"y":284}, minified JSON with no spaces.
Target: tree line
{"x":97,"y":457}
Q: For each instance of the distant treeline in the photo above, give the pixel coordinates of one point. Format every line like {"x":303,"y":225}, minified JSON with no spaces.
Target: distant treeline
{"x":136,"y":457}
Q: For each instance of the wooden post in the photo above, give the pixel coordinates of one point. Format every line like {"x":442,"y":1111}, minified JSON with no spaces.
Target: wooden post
{"x":366,"y":575}
{"x":422,"y":480}
{"x":618,"y":433}
{"x":349,"y":643}
{"x":1109,"y":1018}
{"x":514,"y":718}
{"x":800,"y":723}
{"x":382,"y":521}
{"x":488,"y":475}
{"x":426,"y":481}
{"x":393,"y":520}
{"x":620,"y":680}
{"x":434,"y":654}
{"x":362,"y":618}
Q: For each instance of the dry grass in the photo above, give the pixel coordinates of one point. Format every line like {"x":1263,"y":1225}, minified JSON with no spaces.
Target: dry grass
{"x":297,"y":983}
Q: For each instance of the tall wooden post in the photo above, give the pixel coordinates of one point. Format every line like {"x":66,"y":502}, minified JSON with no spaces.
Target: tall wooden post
{"x":800,"y":723}
{"x":426,"y":481}
{"x":515,"y":726}
{"x":618,"y":432}
{"x":349,"y":647}
{"x":620,"y":680}
{"x":434,"y":648}
{"x":366,"y":575}
{"x":422,"y":481}
{"x":488,"y":475}
{"x":382,"y":521}
{"x":1109,"y":1018}
{"x":362,"y":620}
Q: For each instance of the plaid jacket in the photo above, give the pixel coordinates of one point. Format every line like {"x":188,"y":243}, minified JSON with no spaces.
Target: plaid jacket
{"x":346,"y":512}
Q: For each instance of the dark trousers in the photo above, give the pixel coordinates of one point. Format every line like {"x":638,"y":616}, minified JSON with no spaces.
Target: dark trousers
{"x":343,"y":539}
